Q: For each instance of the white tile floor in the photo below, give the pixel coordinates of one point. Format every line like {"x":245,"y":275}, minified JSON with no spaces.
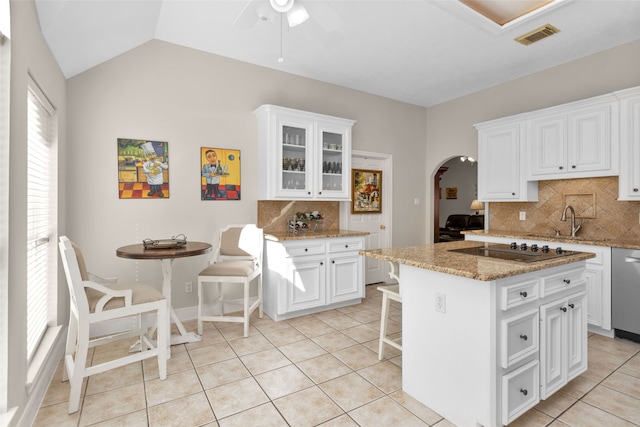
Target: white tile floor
{"x":318,"y":369}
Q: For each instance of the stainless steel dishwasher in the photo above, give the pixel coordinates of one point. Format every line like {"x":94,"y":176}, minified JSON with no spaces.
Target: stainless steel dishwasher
{"x":625,"y":293}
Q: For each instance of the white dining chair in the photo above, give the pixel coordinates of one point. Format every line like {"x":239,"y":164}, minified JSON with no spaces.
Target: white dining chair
{"x":389,"y":293}
{"x":93,"y":300}
{"x":236,"y":261}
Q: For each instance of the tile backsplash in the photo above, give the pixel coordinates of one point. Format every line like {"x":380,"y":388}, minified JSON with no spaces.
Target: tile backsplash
{"x":595,"y":199}
{"x":274,"y":215}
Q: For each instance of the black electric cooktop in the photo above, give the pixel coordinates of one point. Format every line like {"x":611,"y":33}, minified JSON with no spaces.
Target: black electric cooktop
{"x":515,"y":252}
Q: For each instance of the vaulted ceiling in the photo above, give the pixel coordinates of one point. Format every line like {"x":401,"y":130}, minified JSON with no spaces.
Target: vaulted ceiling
{"x":422,"y":52}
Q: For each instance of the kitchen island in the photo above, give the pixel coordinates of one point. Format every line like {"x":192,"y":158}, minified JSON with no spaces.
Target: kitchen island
{"x":485,"y":339}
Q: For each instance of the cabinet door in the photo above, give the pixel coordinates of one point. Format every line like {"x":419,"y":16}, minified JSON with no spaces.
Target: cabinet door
{"x":499,"y":172}
{"x":552,"y":348}
{"x":334,"y":166}
{"x":563,"y":342}
{"x":345,"y":278}
{"x":590,"y":139}
{"x":576,"y":335}
{"x":305,"y":283}
{"x":630,"y":143}
{"x":294,"y":160}
{"x":547,"y":145}
{"x":595,"y":315}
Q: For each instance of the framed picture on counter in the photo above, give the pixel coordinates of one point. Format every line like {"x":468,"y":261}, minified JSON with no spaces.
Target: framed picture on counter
{"x":366,"y":191}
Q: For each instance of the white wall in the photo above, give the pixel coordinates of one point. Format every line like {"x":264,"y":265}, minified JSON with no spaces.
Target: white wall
{"x":192,"y":99}
{"x":30,"y":54}
{"x":450,"y":130}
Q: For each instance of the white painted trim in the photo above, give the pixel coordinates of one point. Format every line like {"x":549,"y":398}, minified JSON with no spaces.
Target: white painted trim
{"x":387,"y":190}
{"x":40,"y":380}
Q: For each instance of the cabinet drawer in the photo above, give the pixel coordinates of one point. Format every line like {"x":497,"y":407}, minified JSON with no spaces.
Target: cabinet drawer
{"x":519,"y":337}
{"x":520,"y":391}
{"x":312,"y":248}
{"x":518,"y":293}
{"x":558,"y":282}
{"x":344,"y":245}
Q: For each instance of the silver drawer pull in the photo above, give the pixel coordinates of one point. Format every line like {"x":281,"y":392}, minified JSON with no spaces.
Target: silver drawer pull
{"x":631,"y":259}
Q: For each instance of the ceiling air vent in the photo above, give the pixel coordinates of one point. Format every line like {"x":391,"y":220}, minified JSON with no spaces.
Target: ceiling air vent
{"x":537,"y":34}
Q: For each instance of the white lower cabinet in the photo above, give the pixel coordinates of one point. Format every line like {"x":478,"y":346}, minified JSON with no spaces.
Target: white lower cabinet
{"x":310,"y":275}
{"x":306,"y":274}
{"x":598,"y":279}
{"x":563,"y":342}
{"x":543,"y":336}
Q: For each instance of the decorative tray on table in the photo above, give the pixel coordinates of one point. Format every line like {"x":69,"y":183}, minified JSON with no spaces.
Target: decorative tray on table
{"x":173,"y":243}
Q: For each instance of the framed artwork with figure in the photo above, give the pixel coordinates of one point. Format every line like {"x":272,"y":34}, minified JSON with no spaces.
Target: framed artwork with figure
{"x":143,"y":169}
{"x":366,"y":191}
{"x":219,"y":174}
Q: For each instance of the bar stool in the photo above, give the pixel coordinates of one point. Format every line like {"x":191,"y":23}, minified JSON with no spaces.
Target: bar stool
{"x":389,"y":293}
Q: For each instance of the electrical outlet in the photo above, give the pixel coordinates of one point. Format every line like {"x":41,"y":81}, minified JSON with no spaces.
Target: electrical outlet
{"x":188,"y":287}
{"x":523,"y":216}
{"x":441,"y":302}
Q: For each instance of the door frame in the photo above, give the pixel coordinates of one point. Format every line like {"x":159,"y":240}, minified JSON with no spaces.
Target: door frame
{"x":387,"y":193}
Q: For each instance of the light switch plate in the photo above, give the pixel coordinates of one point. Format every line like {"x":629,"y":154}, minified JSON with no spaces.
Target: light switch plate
{"x":523,"y":216}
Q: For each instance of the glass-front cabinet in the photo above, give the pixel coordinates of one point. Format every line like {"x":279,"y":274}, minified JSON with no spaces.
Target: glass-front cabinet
{"x":294,"y":157}
{"x":303,"y":155}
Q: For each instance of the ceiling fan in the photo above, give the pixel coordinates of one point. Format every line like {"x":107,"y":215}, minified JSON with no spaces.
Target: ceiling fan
{"x":296,"y":12}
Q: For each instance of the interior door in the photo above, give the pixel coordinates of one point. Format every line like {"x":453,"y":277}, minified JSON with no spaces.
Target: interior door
{"x":378,"y":225}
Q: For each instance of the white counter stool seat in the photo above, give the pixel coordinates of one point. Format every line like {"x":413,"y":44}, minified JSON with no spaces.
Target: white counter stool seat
{"x":389,"y":293}
{"x":95,"y":300}
{"x":237,"y":261}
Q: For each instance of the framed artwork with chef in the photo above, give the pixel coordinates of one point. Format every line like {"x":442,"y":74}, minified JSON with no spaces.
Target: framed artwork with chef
{"x":143,"y":169}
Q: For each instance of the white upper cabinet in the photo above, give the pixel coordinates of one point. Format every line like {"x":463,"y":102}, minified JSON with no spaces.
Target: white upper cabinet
{"x":629,"y":180}
{"x":501,"y":167}
{"x":303,"y":155}
{"x":575,"y":140}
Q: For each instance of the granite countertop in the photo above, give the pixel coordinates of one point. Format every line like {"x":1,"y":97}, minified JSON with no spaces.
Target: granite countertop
{"x":436,"y":257}
{"x":280,"y":236}
{"x":578,"y":240}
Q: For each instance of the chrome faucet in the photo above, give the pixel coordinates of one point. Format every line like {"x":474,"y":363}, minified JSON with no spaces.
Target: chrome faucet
{"x":574,"y":228}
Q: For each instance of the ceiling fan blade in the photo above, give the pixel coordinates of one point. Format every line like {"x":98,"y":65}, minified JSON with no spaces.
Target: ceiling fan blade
{"x":324,"y":14}
{"x":249,"y":15}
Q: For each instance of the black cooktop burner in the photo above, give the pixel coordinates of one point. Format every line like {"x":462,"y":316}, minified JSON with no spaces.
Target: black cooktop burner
{"x":515,"y":252}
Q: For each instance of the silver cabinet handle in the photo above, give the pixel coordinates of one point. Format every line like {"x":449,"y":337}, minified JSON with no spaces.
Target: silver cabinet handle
{"x":631,"y":259}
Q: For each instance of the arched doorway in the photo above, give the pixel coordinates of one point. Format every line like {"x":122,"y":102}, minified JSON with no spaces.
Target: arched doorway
{"x":455,"y":186}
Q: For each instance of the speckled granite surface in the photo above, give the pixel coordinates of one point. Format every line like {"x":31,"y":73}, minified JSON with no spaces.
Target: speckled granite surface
{"x":629,"y":243}
{"x":436,"y":257}
{"x":279,"y":236}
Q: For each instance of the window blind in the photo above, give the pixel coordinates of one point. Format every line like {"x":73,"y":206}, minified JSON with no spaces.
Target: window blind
{"x":40,"y":246}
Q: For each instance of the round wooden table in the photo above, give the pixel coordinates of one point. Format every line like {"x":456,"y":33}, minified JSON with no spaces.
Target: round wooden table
{"x":166,"y":257}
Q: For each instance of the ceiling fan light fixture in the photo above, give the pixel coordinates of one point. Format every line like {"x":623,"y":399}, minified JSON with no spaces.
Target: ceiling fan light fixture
{"x":297,"y":15}
{"x":281,"y":6}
